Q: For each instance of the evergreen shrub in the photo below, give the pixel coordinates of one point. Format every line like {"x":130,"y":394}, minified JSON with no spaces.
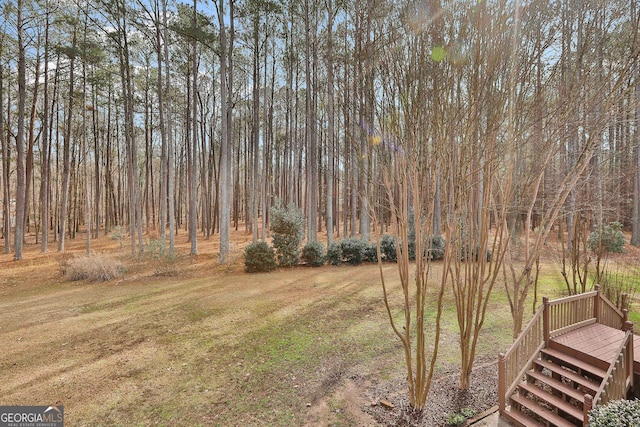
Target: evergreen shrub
{"x":259,"y":257}
{"x":437,"y":247}
{"x":313,"y":254}
{"x":334,"y":254}
{"x":353,"y":250}
{"x":608,"y":238}
{"x":370,"y":252}
{"x":617,"y":413}
{"x":287,"y":228}
{"x":388,"y":248}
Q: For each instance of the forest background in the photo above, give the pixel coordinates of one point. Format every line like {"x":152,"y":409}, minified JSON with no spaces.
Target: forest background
{"x":154,"y":115}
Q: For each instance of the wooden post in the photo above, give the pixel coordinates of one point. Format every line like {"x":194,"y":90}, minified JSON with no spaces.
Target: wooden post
{"x":627,"y":325}
{"x":596,"y":304}
{"x":545,"y":320}
{"x":588,"y":405}
{"x":630,"y":367}
{"x":625,"y":318}
{"x":502,"y":386}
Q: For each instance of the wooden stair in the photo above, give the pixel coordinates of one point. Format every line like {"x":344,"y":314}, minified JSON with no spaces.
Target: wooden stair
{"x":552,"y":392}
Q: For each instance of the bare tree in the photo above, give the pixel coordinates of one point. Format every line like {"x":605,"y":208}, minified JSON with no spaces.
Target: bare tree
{"x":407,"y":164}
{"x":4,"y":140}
{"x":66,"y":173}
{"x":310,"y":122}
{"x":192,"y":151}
{"x":226,"y":107}
{"x":20,"y":168}
{"x":635,"y":219}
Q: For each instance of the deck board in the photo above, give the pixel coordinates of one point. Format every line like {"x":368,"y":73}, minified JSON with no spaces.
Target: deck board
{"x":599,"y":341}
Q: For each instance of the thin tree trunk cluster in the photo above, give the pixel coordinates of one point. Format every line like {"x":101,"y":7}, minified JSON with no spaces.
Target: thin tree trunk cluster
{"x":159,"y":118}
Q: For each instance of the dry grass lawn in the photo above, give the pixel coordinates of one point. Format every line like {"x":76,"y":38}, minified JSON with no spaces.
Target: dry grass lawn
{"x":191,"y":342}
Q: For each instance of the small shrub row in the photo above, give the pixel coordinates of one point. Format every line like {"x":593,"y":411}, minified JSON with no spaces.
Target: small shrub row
{"x":436,"y":246}
{"x":259,"y":257}
{"x":352,"y":251}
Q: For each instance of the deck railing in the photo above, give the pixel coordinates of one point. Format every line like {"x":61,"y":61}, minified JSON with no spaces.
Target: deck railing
{"x":619,"y":378}
{"x":552,"y":318}
{"x":570,"y":313}
{"x":516,"y":360}
{"x":610,"y":315}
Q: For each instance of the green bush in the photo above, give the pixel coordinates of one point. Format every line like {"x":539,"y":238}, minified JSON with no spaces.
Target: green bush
{"x":287,"y":227}
{"x":353,"y":250}
{"x":457,"y":418}
{"x":313,"y":254}
{"x":608,"y":238}
{"x":334,"y":254}
{"x":388,"y":248}
{"x":370,"y":252}
{"x":617,"y":413}
{"x":259,"y":257}
{"x":437,"y":247}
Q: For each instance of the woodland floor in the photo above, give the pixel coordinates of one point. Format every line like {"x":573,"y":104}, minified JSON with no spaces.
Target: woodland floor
{"x":191,"y":342}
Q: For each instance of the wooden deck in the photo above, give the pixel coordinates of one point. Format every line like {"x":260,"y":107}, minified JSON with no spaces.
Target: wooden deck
{"x":600,"y":342}
{"x":585,"y":341}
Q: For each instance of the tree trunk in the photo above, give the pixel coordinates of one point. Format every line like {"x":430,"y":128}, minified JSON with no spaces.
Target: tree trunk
{"x":170,"y":141}
{"x":226,"y":94}
{"x":31,"y":139}
{"x":331,"y":123}
{"x":255,"y":128}
{"x":311,"y":137}
{"x":20,"y":165}
{"x":162,"y":214}
{"x":66,"y":150}
{"x":635,"y":221}
{"x":6,"y":167}
{"x":193,"y":156}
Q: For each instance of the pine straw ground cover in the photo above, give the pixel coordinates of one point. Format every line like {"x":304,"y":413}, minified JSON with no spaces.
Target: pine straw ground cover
{"x":186,"y":341}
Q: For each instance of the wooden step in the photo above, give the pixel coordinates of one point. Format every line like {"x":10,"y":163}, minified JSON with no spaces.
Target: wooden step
{"x":551,"y":399}
{"x":570,"y":375}
{"x":572,"y":362}
{"x":521,"y":419}
{"x":559,"y":386}
{"x":543,"y":413}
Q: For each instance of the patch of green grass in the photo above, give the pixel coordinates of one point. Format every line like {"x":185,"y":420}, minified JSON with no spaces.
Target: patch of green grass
{"x":634,"y":317}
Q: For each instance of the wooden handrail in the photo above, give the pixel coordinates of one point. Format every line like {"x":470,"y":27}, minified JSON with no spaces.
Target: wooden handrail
{"x":513,"y":363}
{"x":617,"y":381}
{"x":610,"y":315}
{"x":571,"y":312}
{"x":554,"y":318}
